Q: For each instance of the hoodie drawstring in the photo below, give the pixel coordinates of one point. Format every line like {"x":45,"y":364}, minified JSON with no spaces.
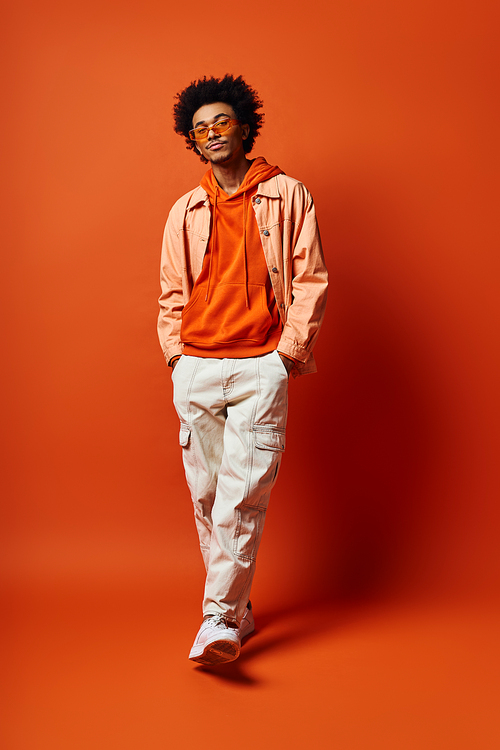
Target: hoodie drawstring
{"x":245,"y":262}
{"x":214,"y":233}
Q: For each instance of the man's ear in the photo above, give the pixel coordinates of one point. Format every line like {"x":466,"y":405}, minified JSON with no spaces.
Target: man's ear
{"x":245,"y":130}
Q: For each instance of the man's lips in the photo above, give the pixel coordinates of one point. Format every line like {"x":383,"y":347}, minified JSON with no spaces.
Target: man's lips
{"x":215,"y":146}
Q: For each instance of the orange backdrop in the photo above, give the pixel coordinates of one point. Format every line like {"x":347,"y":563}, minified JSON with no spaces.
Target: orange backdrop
{"x":388,"y":112}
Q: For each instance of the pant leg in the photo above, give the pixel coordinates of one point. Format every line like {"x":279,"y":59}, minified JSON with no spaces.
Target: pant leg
{"x":199,"y":402}
{"x":256,"y":393}
{"x":233,"y":419}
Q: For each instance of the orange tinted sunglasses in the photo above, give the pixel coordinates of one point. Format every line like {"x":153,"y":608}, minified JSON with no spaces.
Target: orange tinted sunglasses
{"x":201,"y":134}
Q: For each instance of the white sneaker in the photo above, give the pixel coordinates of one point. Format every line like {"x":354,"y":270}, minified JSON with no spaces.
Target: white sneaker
{"x":216,"y":642}
{"x":247,"y":624}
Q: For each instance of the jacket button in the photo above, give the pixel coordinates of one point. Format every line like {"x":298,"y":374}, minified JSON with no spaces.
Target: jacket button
{"x":274,"y":270}
{"x":257,"y":200}
{"x":282,"y":305}
{"x":265,"y":233}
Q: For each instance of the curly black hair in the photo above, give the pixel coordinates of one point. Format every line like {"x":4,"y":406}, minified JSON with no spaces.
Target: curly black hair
{"x":233,"y":91}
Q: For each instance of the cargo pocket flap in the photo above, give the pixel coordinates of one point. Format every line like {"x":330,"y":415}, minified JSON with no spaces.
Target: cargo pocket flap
{"x":184,"y":435}
{"x":269,"y":439}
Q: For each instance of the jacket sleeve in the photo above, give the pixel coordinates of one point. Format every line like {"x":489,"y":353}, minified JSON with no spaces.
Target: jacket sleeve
{"x":172,"y":297}
{"x":309,"y":282}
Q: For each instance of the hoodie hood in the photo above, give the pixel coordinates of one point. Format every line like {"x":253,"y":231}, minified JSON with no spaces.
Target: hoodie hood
{"x":259,"y":171}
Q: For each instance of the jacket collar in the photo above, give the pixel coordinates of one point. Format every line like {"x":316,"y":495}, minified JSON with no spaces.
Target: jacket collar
{"x":197,"y":196}
{"x":268,"y":188}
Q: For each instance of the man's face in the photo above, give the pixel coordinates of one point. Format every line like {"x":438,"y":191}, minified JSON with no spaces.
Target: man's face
{"x":222,"y":148}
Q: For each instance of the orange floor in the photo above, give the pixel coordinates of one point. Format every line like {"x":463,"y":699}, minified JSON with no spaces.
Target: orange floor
{"x":91,"y":671}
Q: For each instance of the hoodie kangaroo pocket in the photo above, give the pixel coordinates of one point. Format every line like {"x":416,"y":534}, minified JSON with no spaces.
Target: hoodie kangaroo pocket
{"x":221,"y":316}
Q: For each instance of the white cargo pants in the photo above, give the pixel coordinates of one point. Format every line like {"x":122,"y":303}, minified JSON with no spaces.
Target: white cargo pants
{"x":233,"y":418}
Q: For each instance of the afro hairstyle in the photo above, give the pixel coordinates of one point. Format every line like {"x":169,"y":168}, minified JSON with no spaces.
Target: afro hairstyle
{"x":233,"y":91}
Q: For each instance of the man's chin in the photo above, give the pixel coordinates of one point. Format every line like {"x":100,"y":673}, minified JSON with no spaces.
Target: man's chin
{"x":217,"y":158}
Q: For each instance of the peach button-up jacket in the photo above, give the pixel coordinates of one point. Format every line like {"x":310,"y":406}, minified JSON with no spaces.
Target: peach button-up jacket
{"x":289,"y":233}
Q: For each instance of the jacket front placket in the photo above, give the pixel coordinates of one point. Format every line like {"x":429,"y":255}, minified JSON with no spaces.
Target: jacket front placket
{"x":201,"y":220}
{"x":267,"y":214}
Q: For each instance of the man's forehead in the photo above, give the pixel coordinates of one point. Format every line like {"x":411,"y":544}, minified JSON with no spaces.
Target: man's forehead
{"x":211,"y":112}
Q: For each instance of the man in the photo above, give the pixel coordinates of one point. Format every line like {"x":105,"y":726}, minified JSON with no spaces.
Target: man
{"x":243,"y":295}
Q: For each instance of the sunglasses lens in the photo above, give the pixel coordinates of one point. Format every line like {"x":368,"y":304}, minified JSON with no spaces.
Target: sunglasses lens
{"x":221,"y":126}
{"x":198,"y":134}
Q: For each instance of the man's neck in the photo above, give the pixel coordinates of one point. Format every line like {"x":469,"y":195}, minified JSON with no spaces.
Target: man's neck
{"x":230,"y":175}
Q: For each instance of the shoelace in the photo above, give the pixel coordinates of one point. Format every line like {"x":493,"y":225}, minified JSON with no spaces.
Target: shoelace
{"x":218,"y":621}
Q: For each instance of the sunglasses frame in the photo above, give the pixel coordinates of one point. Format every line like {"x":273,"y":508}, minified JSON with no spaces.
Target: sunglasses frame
{"x":215,"y":128}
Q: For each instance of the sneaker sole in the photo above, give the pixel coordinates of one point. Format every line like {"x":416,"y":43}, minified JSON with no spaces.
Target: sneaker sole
{"x":217,"y":652}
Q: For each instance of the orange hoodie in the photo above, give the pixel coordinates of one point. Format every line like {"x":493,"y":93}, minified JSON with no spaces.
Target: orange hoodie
{"x":232,"y":310}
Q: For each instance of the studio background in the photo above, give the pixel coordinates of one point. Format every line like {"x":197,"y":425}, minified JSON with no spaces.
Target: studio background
{"x":388,"y":491}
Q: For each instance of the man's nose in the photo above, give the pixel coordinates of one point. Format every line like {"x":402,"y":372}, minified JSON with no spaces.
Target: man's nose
{"x":211,"y":133}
